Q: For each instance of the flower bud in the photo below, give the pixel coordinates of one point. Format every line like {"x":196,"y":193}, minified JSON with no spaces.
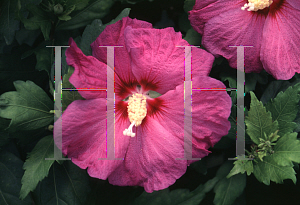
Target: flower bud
{"x":58,"y":9}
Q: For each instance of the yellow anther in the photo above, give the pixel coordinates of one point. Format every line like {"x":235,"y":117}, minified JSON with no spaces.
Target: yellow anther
{"x":137,"y":111}
{"x":255,"y":5}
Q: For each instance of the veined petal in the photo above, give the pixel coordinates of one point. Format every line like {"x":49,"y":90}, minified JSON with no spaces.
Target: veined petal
{"x":157,"y":62}
{"x":113,"y":35}
{"x":294,"y":3}
{"x":153,"y":156}
{"x":210,"y":112}
{"x":203,"y":11}
{"x":151,"y":159}
{"x":233,"y":28}
{"x":280,"y":49}
{"x":88,"y":73}
{"x":84,"y":137}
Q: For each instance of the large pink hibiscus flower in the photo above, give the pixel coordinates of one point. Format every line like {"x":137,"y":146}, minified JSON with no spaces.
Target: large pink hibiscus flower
{"x":271,"y":27}
{"x":152,"y":145}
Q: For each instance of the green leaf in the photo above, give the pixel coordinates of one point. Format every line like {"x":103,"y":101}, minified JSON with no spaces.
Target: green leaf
{"x":268,"y":170}
{"x":241,"y":166}
{"x":188,"y":5}
{"x":43,"y":58}
{"x":65,"y":184}
{"x":91,"y":32}
{"x":175,"y":197}
{"x":10,"y":178}
{"x":27,"y":36}
{"x":224,"y":169}
{"x":199,"y":166}
{"x":79,"y":4}
{"x":287,"y":150}
{"x":97,"y":9}
{"x":284,"y":109}
{"x":39,"y":21}
{"x":8,"y":23}
{"x":64,"y":18}
{"x":36,"y":167}
{"x":259,"y":121}
{"x":192,"y":37}
{"x":69,"y":96}
{"x":234,"y":187}
{"x":28,"y":107}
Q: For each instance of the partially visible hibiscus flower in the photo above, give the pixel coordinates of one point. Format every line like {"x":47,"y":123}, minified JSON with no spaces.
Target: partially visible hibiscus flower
{"x":149,"y":132}
{"x":271,"y":27}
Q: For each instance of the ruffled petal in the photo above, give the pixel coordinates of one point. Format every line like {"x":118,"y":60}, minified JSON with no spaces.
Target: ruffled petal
{"x":84,"y":137}
{"x":280,"y":49}
{"x":89,"y":72}
{"x":113,"y":35}
{"x":203,"y":11}
{"x":236,"y":27}
{"x":151,"y":159}
{"x":210,"y":113}
{"x":155,"y":156}
{"x":157,"y":62}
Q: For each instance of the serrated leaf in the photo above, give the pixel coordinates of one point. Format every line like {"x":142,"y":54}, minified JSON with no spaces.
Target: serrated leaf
{"x":284,"y":109}
{"x":259,"y":121}
{"x":95,"y":10}
{"x":241,"y":166}
{"x":36,"y":167}
{"x":28,"y":107}
{"x":268,"y":170}
{"x":10,"y":178}
{"x":91,"y":32}
{"x":39,"y":21}
{"x":234,"y":187}
{"x":8,"y":23}
{"x":287,"y":150}
{"x":65,"y":184}
{"x":69,"y":96}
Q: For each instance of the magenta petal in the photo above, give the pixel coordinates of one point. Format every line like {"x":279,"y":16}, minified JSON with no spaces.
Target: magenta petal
{"x":232,"y":28}
{"x":211,"y":110}
{"x":157,"y":62}
{"x":205,"y":10}
{"x":84,"y":137}
{"x":280,"y":45}
{"x":151,"y":159}
{"x":113,"y":35}
{"x":294,"y":3}
{"x":89,"y":72}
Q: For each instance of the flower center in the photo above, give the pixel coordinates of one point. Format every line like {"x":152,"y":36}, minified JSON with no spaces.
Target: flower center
{"x":255,"y":5}
{"x":136,"y":112}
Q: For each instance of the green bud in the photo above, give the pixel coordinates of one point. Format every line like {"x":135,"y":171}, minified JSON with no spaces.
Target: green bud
{"x":58,"y":9}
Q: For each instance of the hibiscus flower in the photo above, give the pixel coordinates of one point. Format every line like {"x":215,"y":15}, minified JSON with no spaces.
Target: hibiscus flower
{"x":271,"y":27}
{"x":149,"y":132}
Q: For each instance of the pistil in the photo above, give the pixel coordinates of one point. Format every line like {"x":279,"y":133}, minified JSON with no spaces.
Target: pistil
{"x":137,"y":111}
{"x":255,"y":5}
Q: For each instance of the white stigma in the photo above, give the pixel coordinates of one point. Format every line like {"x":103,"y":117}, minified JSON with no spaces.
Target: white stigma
{"x":137,"y":111}
{"x":255,"y":5}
